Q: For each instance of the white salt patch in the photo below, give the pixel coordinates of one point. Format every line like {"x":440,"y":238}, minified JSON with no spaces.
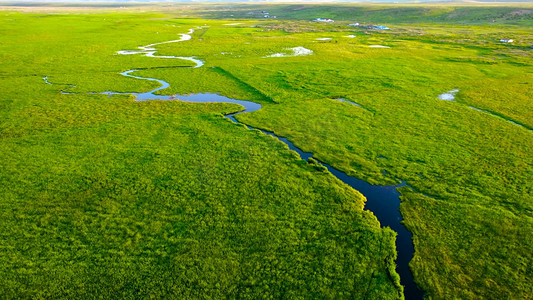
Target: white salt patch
{"x":448,"y":96}
{"x":350,"y":36}
{"x":233,"y":24}
{"x":323,"y":39}
{"x":378,"y":46}
{"x":296,"y":51}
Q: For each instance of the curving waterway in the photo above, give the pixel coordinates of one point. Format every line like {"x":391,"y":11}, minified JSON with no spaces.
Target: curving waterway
{"x":382,"y":200}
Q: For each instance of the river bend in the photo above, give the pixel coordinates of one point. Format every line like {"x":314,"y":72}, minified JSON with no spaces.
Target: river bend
{"x":382,"y":200}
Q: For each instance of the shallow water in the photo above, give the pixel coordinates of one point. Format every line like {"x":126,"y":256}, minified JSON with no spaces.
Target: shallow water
{"x":378,"y":46}
{"x":351,"y":102}
{"x":150,"y":51}
{"x":448,"y":96}
{"x":383,"y":201}
{"x":296,"y":51}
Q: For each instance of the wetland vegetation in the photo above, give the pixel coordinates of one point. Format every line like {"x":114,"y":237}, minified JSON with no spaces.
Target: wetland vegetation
{"x":104,"y":194}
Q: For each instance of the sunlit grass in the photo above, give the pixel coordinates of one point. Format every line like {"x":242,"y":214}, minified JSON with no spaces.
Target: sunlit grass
{"x":170,"y":198}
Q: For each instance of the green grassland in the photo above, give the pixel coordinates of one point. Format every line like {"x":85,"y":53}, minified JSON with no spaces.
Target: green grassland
{"x":116,"y":198}
{"x":441,"y":13}
{"x":111,"y":196}
{"x":477,"y":167}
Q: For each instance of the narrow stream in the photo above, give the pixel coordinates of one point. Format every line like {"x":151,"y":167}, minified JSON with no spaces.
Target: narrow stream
{"x":450,"y":96}
{"x":499,"y":116}
{"x":383,"y":201}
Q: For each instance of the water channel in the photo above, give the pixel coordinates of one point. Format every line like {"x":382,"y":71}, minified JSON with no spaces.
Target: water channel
{"x":382,"y":200}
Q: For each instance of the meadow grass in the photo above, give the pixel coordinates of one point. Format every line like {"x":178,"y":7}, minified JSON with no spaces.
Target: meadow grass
{"x":219,"y":204}
{"x":109,"y":196}
{"x":436,"y":13}
{"x":475,"y":167}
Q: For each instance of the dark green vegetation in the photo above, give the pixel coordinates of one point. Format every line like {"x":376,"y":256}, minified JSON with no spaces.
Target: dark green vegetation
{"x":122,"y":198}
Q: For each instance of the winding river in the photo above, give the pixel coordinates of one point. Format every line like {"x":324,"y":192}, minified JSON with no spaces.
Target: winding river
{"x":383,"y":201}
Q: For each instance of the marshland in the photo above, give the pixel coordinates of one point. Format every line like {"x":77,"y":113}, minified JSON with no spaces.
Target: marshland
{"x":208,"y":151}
